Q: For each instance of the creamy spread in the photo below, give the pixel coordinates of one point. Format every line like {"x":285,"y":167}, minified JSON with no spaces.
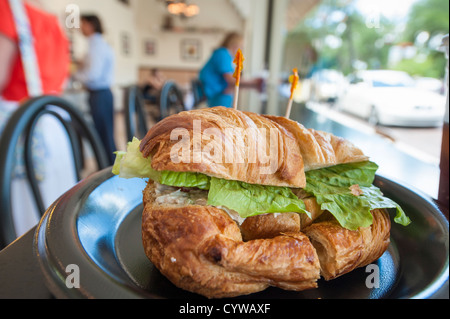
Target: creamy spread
{"x":233,"y":214}
{"x":176,"y":196}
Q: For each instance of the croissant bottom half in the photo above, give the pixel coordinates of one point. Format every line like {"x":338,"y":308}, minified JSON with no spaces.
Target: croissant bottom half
{"x":341,"y":250}
{"x":200,"y":248}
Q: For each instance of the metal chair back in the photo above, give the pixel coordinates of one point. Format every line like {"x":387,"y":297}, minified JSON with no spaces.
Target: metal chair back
{"x":23,"y":123}
{"x":171,"y":101}
{"x":135,"y":116}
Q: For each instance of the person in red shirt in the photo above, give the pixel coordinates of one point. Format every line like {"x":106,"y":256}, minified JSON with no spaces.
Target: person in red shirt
{"x":51,"y":47}
{"x":51,"y":150}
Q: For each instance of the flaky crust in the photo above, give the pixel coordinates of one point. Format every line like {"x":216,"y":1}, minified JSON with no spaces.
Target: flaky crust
{"x":278,"y":159}
{"x":272,"y":158}
{"x":200,"y":249}
{"x":320,"y":149}
{"x":341,"y":250}
{"x":270,"y":225}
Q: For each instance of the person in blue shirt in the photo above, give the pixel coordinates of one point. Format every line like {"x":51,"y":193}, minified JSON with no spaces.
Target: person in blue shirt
{"x":97,"y":75}
{"x":216,"y":76}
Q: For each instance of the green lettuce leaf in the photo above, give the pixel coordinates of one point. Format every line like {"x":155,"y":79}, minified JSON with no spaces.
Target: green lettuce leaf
{"x":116,"y":166}
{"x":331,"y":187}
{"x":131,"y":164}
{"x":346,"y":175}
{"x":375,"y":198}
{"x":185,"y":179}
{"x":246,"y":199}
{"x":251,"y":200}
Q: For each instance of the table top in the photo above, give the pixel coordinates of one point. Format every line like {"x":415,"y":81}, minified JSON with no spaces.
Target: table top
{"x":20,"y":276}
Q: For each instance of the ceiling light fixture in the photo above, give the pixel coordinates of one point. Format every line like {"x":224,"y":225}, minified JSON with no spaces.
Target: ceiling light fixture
{"x":180,"y":8}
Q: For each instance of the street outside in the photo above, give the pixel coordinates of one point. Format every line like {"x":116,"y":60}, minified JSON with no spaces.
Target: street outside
{"x":422,"y":143}
{"x":425,"y":141}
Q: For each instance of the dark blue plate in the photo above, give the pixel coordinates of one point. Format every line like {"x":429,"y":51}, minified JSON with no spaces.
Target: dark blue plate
{"x":96,"y":226}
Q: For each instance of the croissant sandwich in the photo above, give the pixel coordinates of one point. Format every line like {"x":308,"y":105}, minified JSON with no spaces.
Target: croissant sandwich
{"x":237,"y":202}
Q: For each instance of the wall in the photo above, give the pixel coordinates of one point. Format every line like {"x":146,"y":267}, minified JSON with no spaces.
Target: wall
{"x":216,"y":17}
{"x":142,"y":21}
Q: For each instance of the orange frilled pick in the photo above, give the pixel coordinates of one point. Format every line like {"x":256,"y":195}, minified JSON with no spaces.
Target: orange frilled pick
{"x":293,"y":79}
{"x":239,"y":61}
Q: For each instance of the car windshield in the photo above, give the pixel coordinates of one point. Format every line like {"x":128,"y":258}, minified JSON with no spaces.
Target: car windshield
{"x":390,"y":79}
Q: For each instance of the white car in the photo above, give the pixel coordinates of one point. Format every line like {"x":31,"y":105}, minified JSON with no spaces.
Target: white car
{"x":327,"y":85}
{"x":392,"y":98}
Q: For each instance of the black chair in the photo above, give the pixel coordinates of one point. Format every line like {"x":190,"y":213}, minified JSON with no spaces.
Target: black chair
{"x":22,"y":125}
{"x":171,"y":100}
{"x":135,"y":116}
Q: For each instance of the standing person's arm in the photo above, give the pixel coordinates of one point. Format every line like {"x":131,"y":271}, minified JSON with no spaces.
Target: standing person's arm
{"x":8,"y":52}
{"x":252,"y":83}
{"x":229,"y":78}
{"x":224,"y":65}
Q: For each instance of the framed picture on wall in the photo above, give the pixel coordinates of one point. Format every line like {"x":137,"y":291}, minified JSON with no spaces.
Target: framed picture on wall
{"x":190,"y":50}
{"x":149,"y":47}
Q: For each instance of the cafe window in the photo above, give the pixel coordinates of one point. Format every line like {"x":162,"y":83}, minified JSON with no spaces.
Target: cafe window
{"x":379,"y":66}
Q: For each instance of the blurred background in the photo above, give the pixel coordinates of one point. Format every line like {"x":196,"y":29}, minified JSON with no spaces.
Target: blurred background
{"x":349,"y":40}
{"x":332,"y":42}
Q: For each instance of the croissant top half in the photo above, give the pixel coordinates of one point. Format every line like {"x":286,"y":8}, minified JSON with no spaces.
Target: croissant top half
{"x":244,"y":146}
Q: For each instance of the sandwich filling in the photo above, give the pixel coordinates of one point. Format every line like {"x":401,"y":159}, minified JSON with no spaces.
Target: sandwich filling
{"x":345,"y":190}
{"x":180,"y":197}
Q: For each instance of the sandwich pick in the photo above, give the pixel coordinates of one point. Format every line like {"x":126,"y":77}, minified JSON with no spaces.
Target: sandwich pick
{"x":293,"y":79}
{"x":239,"y":61}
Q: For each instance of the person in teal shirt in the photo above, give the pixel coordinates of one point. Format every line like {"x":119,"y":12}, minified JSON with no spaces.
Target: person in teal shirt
{"x":216,"y":76}
{"x":213,"y":77}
